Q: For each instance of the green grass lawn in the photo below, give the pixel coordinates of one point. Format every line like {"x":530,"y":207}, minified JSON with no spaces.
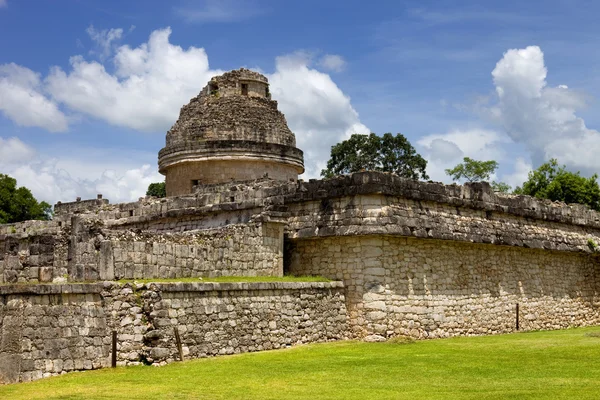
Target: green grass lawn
{"x":538,"y":365}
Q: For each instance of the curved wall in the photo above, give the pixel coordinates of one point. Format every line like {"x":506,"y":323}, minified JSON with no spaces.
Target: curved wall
{"x":180,"y":177}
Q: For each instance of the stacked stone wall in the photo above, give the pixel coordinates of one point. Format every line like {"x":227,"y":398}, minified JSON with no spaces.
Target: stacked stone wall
{"x":238,"y":250}
{"x":378,"y":214}
{"x":88,"y":250}
{"x":26,"y":258}
{"x":79,"y":206}
{"x":432,"y":288}
{"x":52,"y":329}
{"x":245,"y":317}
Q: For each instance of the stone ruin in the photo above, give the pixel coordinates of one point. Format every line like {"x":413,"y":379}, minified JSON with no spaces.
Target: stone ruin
{"x":232,"y":131}
{"x":410,"y":258}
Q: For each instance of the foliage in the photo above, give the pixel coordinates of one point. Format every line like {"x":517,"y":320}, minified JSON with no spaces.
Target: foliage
{"x":157,"y":189}
{"x":387,"y":153}
{"x":554,"y":182}
{"x":18,"y":204}
{"x":535,"y":365}
{"x":593,"y":246}
{"x":472,"y":170}
{"x":501,"y":187}
{"x":476,"y":171}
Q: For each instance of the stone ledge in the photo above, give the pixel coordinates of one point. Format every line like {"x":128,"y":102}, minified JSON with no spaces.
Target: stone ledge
{"x":477,"y":195}
{"x":208,"y":150}
{"x":63,"y":288}
{"x":230,"y":286}
{"x":96,"y":288}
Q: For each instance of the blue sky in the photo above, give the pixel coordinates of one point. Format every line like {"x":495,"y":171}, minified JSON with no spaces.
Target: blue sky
{"x":88,"y":89}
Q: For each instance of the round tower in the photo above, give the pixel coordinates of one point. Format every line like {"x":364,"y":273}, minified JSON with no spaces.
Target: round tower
{"x":231,"y":131}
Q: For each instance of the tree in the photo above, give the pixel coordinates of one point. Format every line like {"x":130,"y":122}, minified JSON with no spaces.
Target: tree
{"x":18,"y":204}
{"x":473,"y":170}
{"x":157,"y":189}
{"x":501,"y":187}
{"x":476,"y":171}
{"x":554,"y":182}
{"x":387,"y":153}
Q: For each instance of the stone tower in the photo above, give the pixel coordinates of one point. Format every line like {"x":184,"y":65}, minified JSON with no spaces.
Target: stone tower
{"x":231,"y":131}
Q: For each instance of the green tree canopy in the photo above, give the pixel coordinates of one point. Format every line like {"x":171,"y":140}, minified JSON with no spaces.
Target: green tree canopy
{"x":18,"y":204}
{"x":476,"y":171}
{"x":157,"y":189}
{"x":472,"y":170}
{"x":387,"y":153}
{"x":554,"y":182}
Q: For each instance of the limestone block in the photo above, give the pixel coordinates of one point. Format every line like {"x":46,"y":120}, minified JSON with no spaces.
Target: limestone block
{"x":10,"y":368}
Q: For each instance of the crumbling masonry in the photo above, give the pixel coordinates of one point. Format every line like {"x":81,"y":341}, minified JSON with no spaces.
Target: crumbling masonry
{"x":405,"y":257}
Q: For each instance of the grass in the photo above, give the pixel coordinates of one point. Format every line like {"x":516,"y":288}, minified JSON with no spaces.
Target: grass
{"x":233,"y":279}
{"x":537,"y":365}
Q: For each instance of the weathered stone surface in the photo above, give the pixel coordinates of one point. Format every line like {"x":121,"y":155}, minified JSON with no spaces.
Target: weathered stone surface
{"x":374,"y":338}
{"x":433,"y":288}
{"x":49,"y":329}
{"x":231,"y":131}
{"x":10,"y":368}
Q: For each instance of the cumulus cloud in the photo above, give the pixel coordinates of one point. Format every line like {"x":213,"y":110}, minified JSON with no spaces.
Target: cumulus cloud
{"x":521,"y":169}
{"x":22,"y":100}
{"x":146,"y":91}
{"x":147,"y":85}
{"x":332,"y":62}
{"x":104,"y":39}
{"x":317,"y":110}
{"x":13,"y":151}
{"x":446,"y":150}
{"x":50,"y":182}
{"x":541,"y":117}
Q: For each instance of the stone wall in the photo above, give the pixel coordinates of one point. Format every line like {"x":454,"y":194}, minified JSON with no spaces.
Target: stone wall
{"x":34,"y":257}
{"x":238,"y":250}
{"x":433,"y":288}
{"x":79,"y":206}
{"x":380,"y":204}
{"x":88,"y":250}
{"x":236,"y":318}
{"x":181,"y":176}
{"x":51,"y":329}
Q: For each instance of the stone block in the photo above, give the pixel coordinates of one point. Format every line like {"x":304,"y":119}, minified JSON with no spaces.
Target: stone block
{"x":10,"y":368}
{"x":45,"y":274}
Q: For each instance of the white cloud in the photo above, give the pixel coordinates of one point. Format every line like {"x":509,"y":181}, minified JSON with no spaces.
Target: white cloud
{"x":332,"y":62}
{"x":149,"y":86}
{"x":316,"y":109}
{"x":22,"y":100}
{"x":13,"y":151}
{"x":104,"y":39}
{"x":205,"y":11}
{"x":3,"y":3}
{"x":543,"y":118}
{"x":150,"y":83}
{"x":446,"y":150}
{"x":520,"y":173}
{"x":48,"y":181}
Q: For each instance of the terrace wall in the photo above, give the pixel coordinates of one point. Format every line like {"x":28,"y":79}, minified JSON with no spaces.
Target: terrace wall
{"x":51,"y":329}
{"x":428,"y":288}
